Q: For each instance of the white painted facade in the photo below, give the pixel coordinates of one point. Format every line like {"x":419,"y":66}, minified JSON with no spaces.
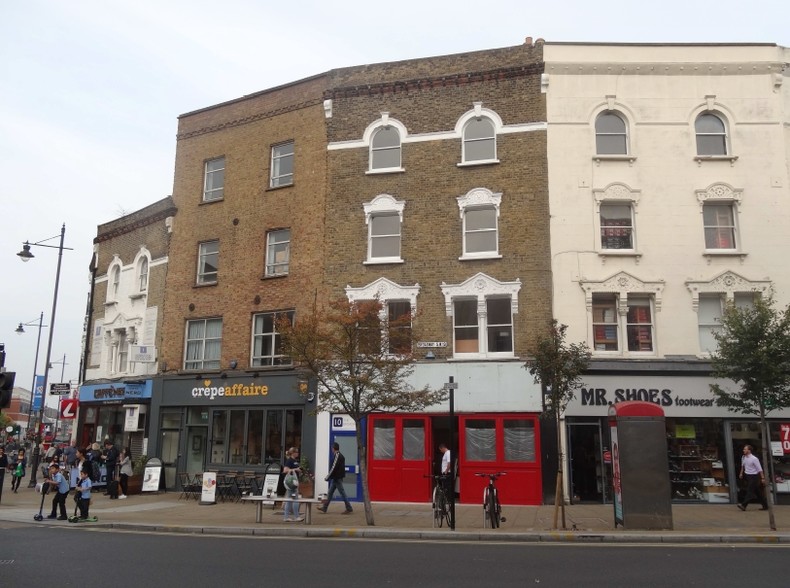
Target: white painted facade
{"x":128,"y":322}
{"x":659,"y":91}
{"x":664,"y":173}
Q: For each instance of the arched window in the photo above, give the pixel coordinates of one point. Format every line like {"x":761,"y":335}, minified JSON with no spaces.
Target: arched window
{"x":479,"y":142}
{"x":385,"y":149}
{"x":143,"y":274}
{"x":115,"y":283}
{"x":711,"y":134}
{"x":611,"y":137}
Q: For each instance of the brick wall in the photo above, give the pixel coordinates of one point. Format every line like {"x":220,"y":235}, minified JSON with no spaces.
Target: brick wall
{"x":243,"y":132}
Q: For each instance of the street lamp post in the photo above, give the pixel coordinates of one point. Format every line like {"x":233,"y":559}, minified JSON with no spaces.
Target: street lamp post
{"x":63,"y":365}
{"x":26,"y":255}
{"x":20,"y":330}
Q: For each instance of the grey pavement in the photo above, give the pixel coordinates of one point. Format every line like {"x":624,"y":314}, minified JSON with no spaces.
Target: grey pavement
{"x":588,"y":523}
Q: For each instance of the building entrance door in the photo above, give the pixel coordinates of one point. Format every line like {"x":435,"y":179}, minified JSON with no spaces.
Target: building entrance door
{"x":585,"y":463}
{"x":348,"y":447}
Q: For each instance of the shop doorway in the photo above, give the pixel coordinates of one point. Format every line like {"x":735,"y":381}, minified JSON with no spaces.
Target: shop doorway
{"x":348,"y":447}
{"x":745,"y":433}
{"x":585,"y":461}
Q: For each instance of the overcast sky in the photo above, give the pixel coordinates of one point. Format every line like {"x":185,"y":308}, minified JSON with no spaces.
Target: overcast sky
{"x":90,"y":91}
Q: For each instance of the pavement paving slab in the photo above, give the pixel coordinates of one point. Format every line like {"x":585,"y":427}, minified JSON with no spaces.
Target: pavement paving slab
{"x":585,"y":523}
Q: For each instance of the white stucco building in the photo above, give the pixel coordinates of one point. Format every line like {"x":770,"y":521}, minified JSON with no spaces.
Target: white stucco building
{"x":669,"y":195}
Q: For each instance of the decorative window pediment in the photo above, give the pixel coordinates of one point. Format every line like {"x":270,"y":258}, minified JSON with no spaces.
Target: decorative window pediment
{"x":616,"y":192}
{"x":719,"y":192}
{"x":481,"y":286}
{"x":623,"y":284}
{"x":383,"y":203}
{"x":383,"y":290}
{"x":728,"y":283}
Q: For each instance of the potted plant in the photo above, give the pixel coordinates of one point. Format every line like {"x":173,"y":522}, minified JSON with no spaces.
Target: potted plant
{"x":306,"y":479}
{"x":136,"y":479}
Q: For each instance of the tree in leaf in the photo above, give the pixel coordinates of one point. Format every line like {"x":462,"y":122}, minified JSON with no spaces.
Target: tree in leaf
{"x":362,"y":358}
{"x":558,"y":366}
{"x":754,"y":353}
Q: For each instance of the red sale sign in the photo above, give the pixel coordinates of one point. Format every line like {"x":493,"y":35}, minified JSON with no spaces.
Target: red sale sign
{"x":784,"y":432}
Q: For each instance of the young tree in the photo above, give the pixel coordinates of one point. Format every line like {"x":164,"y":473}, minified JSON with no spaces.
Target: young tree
{"x":362,"y":360}
{"x":558,"y":367}
{"x":754,"y":353}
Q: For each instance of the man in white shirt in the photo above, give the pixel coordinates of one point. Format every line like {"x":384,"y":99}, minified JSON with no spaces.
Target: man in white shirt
{"x":752,"y":472}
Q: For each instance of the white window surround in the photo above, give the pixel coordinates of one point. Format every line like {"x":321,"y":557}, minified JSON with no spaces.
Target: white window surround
{"x":611,"y":105}
{"x":141,"y":285}
{"x":727,"y":283}
{"x":384,"y":290}
{"x":383,"y":203}
{"x":367,"y":139}
{"x":477,"y":113}
{"x":622,"y":284}
{"x":481,"y":287}
{"x":447,"y":135}
{"x":479,"y":198}
{"x":722,"y":193}
{"x":711,"y":106}
{"x":113,"y":280}
{"x":617,"y":193}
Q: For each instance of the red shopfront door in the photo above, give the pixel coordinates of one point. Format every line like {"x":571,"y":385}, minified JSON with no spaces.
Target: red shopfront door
{"x":399,"y":458}
{"x":500,"y":443}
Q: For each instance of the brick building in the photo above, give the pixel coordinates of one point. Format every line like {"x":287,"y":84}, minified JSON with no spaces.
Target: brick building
{"x":437,"y":204}
{"x":129,"y":269}
{"x":247,"y":246}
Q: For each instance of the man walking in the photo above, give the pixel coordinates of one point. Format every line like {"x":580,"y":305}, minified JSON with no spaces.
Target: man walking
{"x":752,"y":471}
{"x":110,"y":458}
{"x":335,"y":477}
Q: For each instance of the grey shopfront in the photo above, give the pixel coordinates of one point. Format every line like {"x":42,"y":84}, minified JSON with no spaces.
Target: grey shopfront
{"x":231,"y":423}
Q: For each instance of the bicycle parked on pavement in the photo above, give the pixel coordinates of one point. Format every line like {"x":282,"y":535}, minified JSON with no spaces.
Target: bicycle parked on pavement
{"x":492,"y":509}
{"x":440,"y":502}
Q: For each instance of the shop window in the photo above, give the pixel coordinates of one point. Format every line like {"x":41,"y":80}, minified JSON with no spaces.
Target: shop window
{"x":250,"y":437}
{"x":414,"y":439}
{"x":780,"y":438}
{"x":697,"y":460}
{"x":218,"y":429}
{"x":519,"y":437}
{"x":254,"y":448}
{"x":384,"y":439}
{"x":274,"y":436}
{"x":236,"y":440}
{"x":480,"y":435}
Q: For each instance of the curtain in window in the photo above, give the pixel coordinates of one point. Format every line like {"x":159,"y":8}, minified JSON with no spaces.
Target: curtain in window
{"x":519,"y":440}
{"x":413,"y":440}
{"x":384,"y":439}
{"x":480,"y":440}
